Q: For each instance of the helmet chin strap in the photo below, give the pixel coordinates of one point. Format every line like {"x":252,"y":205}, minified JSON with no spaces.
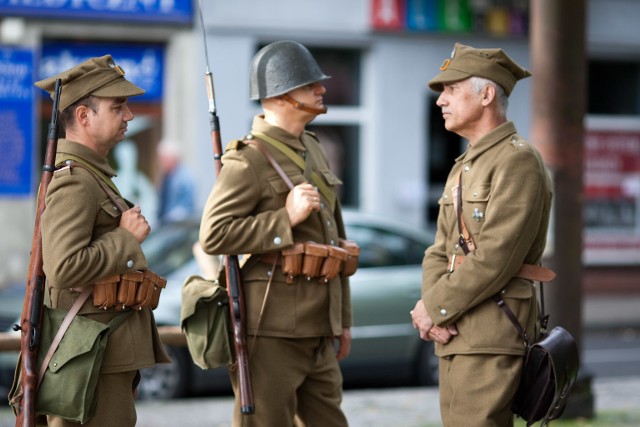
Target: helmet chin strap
{"x":300,"y":106}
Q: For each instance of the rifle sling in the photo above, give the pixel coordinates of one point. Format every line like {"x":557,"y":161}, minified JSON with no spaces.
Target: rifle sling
{"x":300,"y":162}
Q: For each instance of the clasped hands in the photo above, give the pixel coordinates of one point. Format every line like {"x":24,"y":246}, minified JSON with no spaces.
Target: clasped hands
{"x":428,"y":330}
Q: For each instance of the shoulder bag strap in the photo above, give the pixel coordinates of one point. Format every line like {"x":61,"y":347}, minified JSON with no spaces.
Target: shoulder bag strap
{"x":66,"y":322}
{"x":105,"y":185}
{"x":300,"y":162}
{"x":467,"y":245}
{"x":465,"y":240}
{"x":273,"y":162}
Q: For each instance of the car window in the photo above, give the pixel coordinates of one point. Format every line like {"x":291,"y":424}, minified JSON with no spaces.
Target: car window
{"x":170,"y":246}
{"x":385,"y":248}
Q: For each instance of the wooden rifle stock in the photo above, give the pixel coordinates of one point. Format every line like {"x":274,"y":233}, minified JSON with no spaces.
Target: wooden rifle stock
{"x":31,"y":319}
{"x":232,"y":267}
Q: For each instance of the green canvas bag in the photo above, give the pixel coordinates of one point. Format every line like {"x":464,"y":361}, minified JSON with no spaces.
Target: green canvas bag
{"x":68,"y":387}
{"x":204,"y":319}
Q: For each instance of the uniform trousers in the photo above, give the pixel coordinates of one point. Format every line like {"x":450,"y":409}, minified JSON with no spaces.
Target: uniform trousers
{"x":292,"y":377}
{"x":477,"y":389}
{"x":114,"y":403}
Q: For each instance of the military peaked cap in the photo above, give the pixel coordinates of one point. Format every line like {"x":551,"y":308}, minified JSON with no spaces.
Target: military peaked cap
{"x":98,"y":76}
{"x":492,"y":64}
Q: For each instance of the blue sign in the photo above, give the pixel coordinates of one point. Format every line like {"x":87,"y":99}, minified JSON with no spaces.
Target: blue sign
{"x":143,"y":64}
{"x":16,"y":120}
{"x":152,"y":11}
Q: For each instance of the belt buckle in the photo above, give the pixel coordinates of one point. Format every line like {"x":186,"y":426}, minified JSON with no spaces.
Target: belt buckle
{"x":453,"y":263}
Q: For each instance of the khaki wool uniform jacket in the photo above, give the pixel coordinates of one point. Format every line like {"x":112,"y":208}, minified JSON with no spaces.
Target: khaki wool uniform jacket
{"x":245,"y":214}
{"x":82,"y":243}
{"x":506,"y":202}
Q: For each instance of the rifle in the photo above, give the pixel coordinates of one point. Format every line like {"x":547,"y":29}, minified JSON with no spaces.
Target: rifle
{"x":232,"y":267}
{"x":31,"y":319}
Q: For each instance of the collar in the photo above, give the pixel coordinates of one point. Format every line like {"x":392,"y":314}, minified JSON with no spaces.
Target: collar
{"x":66,"y":146}
{"x":489,"y":140}
{"x":278,"y":133}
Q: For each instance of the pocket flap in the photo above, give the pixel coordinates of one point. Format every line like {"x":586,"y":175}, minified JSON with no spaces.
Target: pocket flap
{"x":477,"y":193}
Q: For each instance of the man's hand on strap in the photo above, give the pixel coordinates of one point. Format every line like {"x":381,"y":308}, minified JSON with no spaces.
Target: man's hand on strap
{"x":428,"y":330}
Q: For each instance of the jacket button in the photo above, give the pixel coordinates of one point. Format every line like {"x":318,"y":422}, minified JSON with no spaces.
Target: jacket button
{"x":443,"y":312}
{"x":277,"y":241}
{"x":130,"y":263}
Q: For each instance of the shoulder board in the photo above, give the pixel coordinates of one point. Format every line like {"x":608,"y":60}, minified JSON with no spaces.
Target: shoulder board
{"x":311,"y":134}
{"x":236,"y":144}
{"x":519,"y":143}
{"x":63,"y":169}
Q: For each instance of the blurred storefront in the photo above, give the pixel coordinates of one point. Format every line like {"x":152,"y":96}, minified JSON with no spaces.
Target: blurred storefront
{"x":383,"y":132}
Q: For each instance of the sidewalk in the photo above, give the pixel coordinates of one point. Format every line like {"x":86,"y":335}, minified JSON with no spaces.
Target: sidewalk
{"x":397,"y":407}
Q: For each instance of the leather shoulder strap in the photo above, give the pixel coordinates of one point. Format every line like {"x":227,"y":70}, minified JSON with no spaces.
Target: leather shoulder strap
{"x":106,"y":186}
{"x":299,"y":161}
{"x":273,"y":162}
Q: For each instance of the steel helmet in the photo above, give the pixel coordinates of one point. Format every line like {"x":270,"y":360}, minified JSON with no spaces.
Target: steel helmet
{"x":281,"y":67}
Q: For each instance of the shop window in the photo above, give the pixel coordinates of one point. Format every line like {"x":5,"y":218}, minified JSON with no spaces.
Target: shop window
{"x":443,"y":148}
{"x":614,"y":87}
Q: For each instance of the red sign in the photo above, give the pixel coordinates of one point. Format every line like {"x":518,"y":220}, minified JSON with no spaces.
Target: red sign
{"x":388,"y":14}
{"x":612,"y":196}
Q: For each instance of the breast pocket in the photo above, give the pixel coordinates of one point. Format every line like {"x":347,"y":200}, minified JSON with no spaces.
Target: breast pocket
{"x":474,"y":205}
{"x":330,"y":178}
{"x":109,"y":214}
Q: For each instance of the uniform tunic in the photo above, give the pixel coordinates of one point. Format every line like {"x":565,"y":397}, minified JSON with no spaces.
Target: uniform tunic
{"x":506,"y":202}
{"x":293,"y":365}
{"x":82,"y":243}
{"x":245,"y":214}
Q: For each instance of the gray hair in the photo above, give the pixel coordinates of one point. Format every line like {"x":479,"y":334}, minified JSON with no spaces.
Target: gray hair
{"x":478,"y":83}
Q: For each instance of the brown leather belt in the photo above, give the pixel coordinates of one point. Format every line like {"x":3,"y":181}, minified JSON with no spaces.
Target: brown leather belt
{"x":527,"y":271}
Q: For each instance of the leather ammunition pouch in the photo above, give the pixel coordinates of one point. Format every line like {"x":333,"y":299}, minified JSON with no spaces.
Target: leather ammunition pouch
{"x":316,"y":261}
{"x":129,"y":290}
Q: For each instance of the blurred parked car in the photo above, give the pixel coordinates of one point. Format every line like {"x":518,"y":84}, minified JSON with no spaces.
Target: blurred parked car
{"x":386,"y":350}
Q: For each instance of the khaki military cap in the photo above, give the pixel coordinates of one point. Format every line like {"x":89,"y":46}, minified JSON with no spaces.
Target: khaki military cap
{"x":97,"y":76}
{"x":492,"y":64}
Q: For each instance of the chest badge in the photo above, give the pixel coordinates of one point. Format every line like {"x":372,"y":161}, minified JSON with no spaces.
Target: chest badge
{"x":477,"y":215}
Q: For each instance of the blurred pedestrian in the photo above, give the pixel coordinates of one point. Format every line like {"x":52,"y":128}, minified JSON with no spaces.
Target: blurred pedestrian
{"x":492,"y":226}
{"x":177,"y":185}
{"x":133,"y":184}
{"x":292,"y":319}
{"x":86,"y":237}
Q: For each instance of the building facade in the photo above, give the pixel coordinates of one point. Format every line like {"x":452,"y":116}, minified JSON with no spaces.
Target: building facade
{"x":383,"y":133}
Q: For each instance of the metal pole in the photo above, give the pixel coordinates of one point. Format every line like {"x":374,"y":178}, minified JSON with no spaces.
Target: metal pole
{"x":558,"y":40}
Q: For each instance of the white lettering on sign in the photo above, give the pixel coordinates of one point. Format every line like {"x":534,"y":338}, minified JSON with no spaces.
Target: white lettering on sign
{"x":166,"y":6}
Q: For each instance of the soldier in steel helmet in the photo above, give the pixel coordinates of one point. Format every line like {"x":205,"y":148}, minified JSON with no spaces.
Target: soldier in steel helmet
{"x":498,"y":196}
{"x":293,"y":319}
{"x":86,"y":237}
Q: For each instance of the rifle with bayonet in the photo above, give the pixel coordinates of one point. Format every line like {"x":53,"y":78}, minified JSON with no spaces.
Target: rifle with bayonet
{"x":31,"y":319}
{"x":232,"y":267}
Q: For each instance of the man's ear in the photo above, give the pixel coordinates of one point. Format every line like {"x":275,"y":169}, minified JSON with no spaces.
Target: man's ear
{"x":81,"y":114}
{"x":488,"y":94}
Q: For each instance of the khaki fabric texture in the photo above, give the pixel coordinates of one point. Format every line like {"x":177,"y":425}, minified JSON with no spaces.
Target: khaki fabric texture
{"x":492,"y":64}
{"x":96,"y":76}
{"x":509,"y":226}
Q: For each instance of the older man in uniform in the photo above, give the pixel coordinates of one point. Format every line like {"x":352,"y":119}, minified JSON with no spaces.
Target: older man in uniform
{"x":501,"y":191}
{"x":292,"y":320}
{"x":86,"y":237}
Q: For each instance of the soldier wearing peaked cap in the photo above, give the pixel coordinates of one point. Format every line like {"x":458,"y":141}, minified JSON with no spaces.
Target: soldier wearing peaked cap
{"x":293,"y":318}
{"x":86,"y":237}
{"x":501,"y":193}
